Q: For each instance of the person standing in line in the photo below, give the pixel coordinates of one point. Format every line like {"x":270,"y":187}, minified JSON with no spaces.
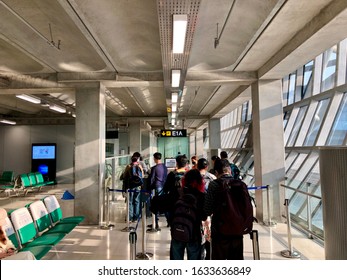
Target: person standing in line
{"x":213,"y":159}
{"x":143,"y":165}
{"x":202,"y":166}
{"x":192,"y":185}
{"x":135,"y":193}
{"x":194,"y":162}
{"x":173,"y":184}
{"x":157,"y":180}
{"x":223,"y":246}
{"x":235,"y":171}
{"x":207,"y":177}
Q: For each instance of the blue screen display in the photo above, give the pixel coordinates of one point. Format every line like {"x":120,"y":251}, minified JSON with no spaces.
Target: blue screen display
{"x":43,"y":152}
{"x":43,"y":169}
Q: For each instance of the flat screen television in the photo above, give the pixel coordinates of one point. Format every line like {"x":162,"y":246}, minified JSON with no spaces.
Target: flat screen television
{"x":170,"y":162}
{"x":43,"y":151}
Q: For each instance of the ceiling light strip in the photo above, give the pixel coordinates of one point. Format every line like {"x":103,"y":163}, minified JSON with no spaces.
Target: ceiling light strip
{"x":179,"y":33}
{"x":57,"y":108}
{"x":8,"y":122}
{"x":175,"y":78}
{"x":29,"y":98}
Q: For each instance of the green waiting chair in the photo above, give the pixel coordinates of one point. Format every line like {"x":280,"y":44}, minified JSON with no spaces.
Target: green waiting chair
{"x":26,"y":231}
{"x":56,"y":213}
{"x":37,"y":251}
{"x":43,"y":220}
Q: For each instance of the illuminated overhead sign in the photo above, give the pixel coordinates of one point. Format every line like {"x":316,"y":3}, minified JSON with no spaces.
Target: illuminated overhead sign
{"x":174,"y":133}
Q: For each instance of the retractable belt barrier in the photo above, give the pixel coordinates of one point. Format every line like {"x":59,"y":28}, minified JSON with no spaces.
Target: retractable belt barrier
{"x":133,"y":230}
{"x":269,"y":222}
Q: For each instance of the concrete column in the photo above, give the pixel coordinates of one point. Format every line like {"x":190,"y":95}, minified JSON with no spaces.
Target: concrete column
{"x":199,"y":142}
{"x":268,"y":145}
{"x":214,"y":137}
{"x":90,"y":153}
{"x":332,"y":165}
{"x":134,"y":136}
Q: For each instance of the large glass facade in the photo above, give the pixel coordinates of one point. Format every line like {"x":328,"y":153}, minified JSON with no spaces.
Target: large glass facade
{"x":314,"y":115}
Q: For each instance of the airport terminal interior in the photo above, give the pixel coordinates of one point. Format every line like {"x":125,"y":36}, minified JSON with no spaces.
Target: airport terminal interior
{"x":85,"y":84}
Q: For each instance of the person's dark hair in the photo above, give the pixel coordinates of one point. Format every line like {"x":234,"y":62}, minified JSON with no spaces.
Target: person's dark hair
{"x":222,"y":166}
{"x":181,"y":161}
{"x":157,"y":155}
{"x":214,"y":157}
{"x":223,"y":154}
{"x":136,"y":154}
{"x":193,"y":179}
{"x":202,"y":163}
{"x":134,"y":159}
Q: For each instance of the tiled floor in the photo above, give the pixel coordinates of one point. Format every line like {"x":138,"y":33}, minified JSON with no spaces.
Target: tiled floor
{"x":96,"y":243}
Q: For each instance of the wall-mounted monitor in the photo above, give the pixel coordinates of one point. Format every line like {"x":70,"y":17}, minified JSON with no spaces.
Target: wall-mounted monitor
{"x":43,"y":151}
{"x":170,"y":162}
{"x":44,"y":159}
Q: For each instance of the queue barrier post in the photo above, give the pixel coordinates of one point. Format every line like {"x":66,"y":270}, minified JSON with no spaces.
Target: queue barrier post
{"x":290,"y":253}
{"x":255,"y":244}
{"x":269,"y":222}
{"x":144,"y":255}
{"x":107,"y":226}
{"x":132,"y":241}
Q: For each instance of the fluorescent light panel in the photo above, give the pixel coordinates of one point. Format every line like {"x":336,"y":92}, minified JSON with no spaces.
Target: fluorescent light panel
{"x":174,"y":107}
{"x":173,"y":115}
{"x":175,"y":78}
{"x":57,"y":108}
{"x":8,"y":122}
{"x":29,"y":98}
{"x":174,"y":97}
{"x":179,"y":33}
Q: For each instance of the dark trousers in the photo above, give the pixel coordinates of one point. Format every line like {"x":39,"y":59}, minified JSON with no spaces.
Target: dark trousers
{"x":227,"y":248}
{"x":177,"y":249}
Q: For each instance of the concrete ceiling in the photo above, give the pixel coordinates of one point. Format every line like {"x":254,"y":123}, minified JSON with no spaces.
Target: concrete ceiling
{"x":49,"y":48}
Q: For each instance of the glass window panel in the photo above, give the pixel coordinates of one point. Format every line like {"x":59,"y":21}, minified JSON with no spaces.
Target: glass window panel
{"x":250,"y":108}
{"x":317,"y":219}
{"x":297,"y":126}
{"x":243,"y":137}
{"x":307,"y":81}
{"x":286,"y":119}
{"x":238,"y":132}
{"x":290,"y":159}
{"x":285,"y":85}
{"x":316,"y":122}
{"x":314,"y":177}
{"x":291,"y":91}
{"x":339,"y":130}
{"x":244,"y":112}
{"x":329,"y":69}
{"x":306,"y":167}
{"x":295,"y":166}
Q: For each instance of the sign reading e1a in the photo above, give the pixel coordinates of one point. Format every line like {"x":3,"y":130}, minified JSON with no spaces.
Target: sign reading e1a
{"x":174,"y":133}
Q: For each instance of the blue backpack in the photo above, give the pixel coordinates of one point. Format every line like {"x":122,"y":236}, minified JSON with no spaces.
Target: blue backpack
{"x":136,"y":176}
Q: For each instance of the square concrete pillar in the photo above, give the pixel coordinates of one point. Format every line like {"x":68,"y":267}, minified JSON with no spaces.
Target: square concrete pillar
{"x":90,"y":153}
{"x":268,"y":146}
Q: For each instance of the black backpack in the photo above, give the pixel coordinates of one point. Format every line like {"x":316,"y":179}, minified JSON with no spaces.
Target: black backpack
{"x":136,"y":178}
{"x":234,"y":213}
{"x":185,"y":219}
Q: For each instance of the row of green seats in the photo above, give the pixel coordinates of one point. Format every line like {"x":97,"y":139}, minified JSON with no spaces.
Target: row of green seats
{"x":39,"y":226}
